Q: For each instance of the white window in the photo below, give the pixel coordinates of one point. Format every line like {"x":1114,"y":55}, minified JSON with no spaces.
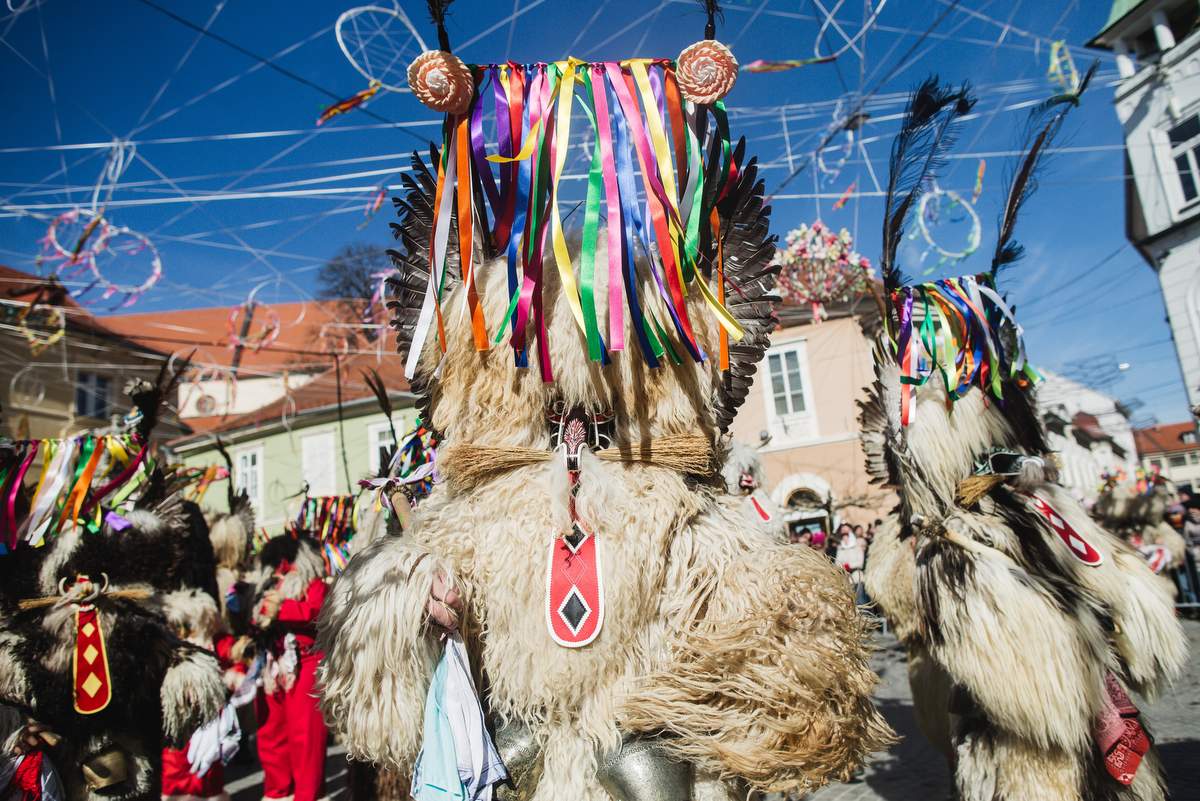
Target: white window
{"x":379,"y":439}
{"x":790,"y":412}
{"x":317,"y":456}
{"x":248,"y":475}
{"x":1185,"y":152}
{"x":91,"y":396}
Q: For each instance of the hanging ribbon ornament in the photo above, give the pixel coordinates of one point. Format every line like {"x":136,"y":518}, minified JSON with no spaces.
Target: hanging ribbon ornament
{"x":379,"y":43}
{"x":851,"y":43}
{"x":89,"y":248}
{"x":348,"y":104}
{"x":373,"y":206}
{"x":820,"y":267}
{"x":978,"y":190}
{"x":244,"y":319}
{"x":844,"y":198}
{"x":1062,"y":67}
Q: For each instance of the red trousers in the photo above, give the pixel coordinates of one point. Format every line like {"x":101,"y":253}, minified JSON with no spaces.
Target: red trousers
{"x":179,"y":784}
{"x":291,"y":738}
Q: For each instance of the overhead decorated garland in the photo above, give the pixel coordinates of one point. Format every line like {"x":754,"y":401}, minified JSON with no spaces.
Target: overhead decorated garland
{"x":819,"y":266}
{"x":78,"y":240}
{"x":938,"y":205}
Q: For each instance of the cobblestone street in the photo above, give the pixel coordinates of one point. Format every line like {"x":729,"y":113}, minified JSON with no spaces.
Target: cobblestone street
{"x":912,"y":770}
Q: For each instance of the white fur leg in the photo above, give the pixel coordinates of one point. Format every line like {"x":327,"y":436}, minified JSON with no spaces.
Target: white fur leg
{"x":192,"y":693}
{"x":1035,"y":669}
{"x":379,"y":653}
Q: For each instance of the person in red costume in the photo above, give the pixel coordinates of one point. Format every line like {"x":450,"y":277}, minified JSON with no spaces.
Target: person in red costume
{"x":291,"y":731}
{"x":194,"y":616}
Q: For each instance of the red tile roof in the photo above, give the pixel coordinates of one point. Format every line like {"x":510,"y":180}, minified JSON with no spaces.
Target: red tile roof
{"x":298,"y":343}
{"x":22,"y":287}
{"x":1167,"y":438}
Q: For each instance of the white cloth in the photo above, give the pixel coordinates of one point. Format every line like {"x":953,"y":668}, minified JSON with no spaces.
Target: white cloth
{"x":216,"y":740}
{"x":456,"y":735}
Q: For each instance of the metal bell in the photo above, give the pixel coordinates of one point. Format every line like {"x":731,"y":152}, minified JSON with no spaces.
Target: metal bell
{"x":642,"y":771}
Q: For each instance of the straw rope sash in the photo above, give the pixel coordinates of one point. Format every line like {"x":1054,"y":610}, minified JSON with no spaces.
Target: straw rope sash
{"x":467,"y":465}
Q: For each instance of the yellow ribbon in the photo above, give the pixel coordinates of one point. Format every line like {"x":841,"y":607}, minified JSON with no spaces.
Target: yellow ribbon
{"x":562,"y":132}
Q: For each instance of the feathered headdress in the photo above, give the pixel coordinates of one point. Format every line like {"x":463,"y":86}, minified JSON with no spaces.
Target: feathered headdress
{"x":959,"y":329}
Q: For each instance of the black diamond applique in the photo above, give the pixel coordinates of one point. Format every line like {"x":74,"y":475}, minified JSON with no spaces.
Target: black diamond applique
{"x":574,"y":611}
{"x":575,"y":538}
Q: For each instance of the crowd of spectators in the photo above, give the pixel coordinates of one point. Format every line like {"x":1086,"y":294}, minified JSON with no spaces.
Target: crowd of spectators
{"x":849,"y":548}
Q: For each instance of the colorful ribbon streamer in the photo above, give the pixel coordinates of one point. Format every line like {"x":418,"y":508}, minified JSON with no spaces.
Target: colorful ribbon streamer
{"x":348,"y":104}
{"x":634,"y":112}
{"x":962,"y":330}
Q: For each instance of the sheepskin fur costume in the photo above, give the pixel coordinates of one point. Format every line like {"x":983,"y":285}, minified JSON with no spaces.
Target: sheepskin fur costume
{"x":163,"y":687}
{"x":1026,"y":620}
{"x":733,"y":652}
{"x":1127,"y":513}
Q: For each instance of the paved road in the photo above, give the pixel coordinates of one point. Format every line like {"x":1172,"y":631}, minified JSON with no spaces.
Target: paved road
{"x":913,"y":770}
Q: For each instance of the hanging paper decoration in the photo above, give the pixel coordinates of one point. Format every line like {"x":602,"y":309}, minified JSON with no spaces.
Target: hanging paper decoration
{"x":124,"y":244}
{"x":845,"y":196}
{"x":348,"y":104}
{"x":246,"y":316}
{"x":373,"y":206}
{"x":41,"y":319}
{"x":961,"y":330}
{"x":938,"y":206}
{"x":818,"y":267}
{"x":204,"y":372}
{"x":762,"y":65}
{"x":1062,"y":67}
{"x":850,"y":43}
{"x":978,"y":190}
{"x":637,"y":111}
{"x":73,"y":477}
{"x":75,"y":236}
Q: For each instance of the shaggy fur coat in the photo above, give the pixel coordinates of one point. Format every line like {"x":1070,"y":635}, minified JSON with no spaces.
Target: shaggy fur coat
{"x":1010,"y":636}
{"x":747,"y":653}
{"x":163,"y":687}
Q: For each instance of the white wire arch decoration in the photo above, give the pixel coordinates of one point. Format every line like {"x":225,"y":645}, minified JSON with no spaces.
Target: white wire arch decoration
{"x":399,"y":58}
{"x":957,"y":201}
{"x":25,"y":383}
{"x":850,"y":42}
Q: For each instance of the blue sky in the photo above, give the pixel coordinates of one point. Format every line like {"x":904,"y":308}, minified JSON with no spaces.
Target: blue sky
{"x":124,"y":69}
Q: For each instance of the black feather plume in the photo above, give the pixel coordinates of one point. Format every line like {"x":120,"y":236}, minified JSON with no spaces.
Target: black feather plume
{"x":712,"y":10}
{"x":437,"y":12}
{"x":371,"y":376}
{"x":1045,"y":121}
{"x":917,"y":153}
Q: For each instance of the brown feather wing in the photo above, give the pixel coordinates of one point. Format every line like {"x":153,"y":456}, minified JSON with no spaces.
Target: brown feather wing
{"x":748,"y":248}
{"x":407,"y":287}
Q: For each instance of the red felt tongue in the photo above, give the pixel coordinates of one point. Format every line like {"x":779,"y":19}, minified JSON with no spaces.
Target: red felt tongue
{"x":575,"y":590}
{"x":93,"y":685}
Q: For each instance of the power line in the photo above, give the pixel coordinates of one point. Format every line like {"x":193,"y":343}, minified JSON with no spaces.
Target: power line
{"x":300,"y":79}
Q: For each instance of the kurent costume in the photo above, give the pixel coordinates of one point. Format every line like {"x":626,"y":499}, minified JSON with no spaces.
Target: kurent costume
{"x":1028,"y":625}
{"x":85,"y":644}
{"x":632,"y":632}
{"x":291,"y":732}
{"x":1138,"y":515}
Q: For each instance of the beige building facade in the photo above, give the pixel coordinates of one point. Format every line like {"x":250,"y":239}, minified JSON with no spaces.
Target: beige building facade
{"x":802,"y":413}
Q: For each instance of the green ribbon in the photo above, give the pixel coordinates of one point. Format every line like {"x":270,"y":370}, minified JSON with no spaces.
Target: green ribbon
{"x":591,"y":228}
